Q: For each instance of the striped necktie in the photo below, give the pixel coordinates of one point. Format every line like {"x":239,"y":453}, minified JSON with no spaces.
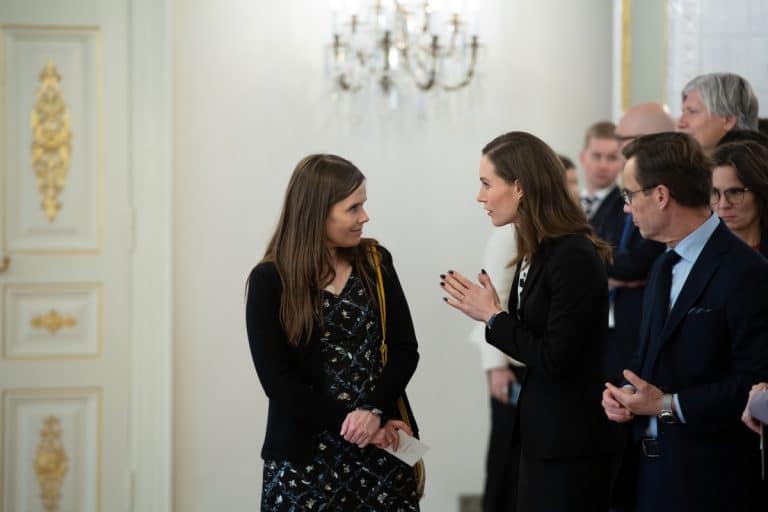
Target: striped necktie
{"x":588,"y":203}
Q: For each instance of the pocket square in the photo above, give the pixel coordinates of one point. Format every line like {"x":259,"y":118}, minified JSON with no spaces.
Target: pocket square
{"x":698,"y":311}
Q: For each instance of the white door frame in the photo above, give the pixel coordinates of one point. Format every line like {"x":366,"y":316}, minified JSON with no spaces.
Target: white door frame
{"x":151,"y":75}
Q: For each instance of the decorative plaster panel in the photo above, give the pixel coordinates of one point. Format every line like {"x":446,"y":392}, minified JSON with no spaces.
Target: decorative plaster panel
{"x":52,"y":320}
{"x":53,"y":188}
{"x":51,"y":450}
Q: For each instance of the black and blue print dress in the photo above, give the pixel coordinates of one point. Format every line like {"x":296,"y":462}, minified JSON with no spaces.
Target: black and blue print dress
{"x":341,"y":476}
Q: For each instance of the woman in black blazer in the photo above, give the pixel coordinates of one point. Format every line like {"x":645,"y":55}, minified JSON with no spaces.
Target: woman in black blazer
{"x":314,"y":330}
{"x":555,"y":323}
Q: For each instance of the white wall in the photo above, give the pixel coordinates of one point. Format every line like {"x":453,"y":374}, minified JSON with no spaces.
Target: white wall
{"x":251,"y":98}
{"x":707,"y":36}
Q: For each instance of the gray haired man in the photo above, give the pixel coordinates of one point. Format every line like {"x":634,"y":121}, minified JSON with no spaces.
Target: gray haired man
{"x":714,"y":104}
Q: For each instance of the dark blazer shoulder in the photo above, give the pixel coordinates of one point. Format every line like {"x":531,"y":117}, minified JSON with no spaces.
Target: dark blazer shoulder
{"x":387,"y":262}
{"x":613,"y":200}
{"x":764,"y":243}
{"x":563,"y":244}
{"x":611,"y":206}
{"x":265,"y":269}
{"x":263,"y":274}
{"x":724,"y":240}
{"x":386,"y":255}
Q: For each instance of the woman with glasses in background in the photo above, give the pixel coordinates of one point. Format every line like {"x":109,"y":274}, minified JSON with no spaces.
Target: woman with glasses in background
{"x":740,"y":191}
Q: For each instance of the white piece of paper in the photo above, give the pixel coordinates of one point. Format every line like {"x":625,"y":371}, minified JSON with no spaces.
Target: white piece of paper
{"x":410,"y":449}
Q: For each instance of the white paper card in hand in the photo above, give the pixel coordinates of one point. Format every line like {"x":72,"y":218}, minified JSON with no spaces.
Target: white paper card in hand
{"x":410,"y":449}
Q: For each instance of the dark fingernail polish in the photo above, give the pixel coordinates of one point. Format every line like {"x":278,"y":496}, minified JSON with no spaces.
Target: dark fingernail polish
{"x":442,"y":283}
{"x":450,"y":272}
{"x":445,"y":299}
{"x":482,"y":270}
{"x":442,"y":276}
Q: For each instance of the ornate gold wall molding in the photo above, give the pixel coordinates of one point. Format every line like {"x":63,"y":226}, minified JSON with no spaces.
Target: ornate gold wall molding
{"x":53,"y":321}
{"x":51,"y":463}
{"x":51,"y":140}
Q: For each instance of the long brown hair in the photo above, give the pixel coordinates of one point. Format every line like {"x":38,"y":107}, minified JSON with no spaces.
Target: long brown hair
{"x":546,"y":209}
{"x":298,"y":247}
{"x":750,"y":160}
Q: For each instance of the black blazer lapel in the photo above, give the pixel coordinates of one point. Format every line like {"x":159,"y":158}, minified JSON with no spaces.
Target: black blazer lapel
{"x":609,"y":203}
{"x":512,"y":302}
{"x":606,"y":211}
{"x":537,"y":264}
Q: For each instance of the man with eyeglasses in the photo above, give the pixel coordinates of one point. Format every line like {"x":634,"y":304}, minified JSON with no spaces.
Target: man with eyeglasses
{"x":633,"y":257}
{"x":702,"y":339}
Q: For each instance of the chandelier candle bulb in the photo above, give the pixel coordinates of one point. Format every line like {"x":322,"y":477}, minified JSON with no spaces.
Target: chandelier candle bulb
{"x":399,"y":43}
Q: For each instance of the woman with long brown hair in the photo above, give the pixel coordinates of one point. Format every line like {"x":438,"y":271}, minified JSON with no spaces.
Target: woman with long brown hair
{"x":315,"y":333}
{"x":555,"y":323}
{"x":740,"y":191}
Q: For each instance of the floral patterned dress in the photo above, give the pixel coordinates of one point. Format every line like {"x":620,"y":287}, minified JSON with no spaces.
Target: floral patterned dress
{"x":341,"y":476}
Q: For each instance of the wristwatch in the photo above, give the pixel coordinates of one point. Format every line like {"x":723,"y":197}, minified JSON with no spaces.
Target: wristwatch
{"x":667,"y":414}
{"x":489,"y":322}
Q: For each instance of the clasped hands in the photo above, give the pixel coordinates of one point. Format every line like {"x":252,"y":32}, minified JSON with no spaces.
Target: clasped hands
{"x":363,"y":427}
{"x":623,"y":404}
{"x":477,"y":301}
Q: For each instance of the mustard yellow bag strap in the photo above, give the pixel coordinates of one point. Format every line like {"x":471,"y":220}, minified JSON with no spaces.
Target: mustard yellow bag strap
{"x":382,"y":303}
{"x":403,"y":412}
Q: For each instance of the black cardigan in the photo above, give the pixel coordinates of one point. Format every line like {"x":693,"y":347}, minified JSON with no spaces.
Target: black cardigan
{"x":292,"y":377}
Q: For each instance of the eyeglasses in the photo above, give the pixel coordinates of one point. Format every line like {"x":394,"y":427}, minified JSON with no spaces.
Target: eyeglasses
{"x":627,"y":194}
{"x":733,"y":195}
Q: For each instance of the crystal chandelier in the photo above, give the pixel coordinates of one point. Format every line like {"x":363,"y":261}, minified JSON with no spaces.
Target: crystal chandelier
{"x":430,"y":44}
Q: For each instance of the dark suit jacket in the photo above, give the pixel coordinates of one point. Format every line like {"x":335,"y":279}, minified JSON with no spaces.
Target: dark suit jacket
{"x":560,"y":335}
{"x":764,"y":243}
{"x":293,"y":378}
{"x":713,"y":347}
{"x":632,"y":263}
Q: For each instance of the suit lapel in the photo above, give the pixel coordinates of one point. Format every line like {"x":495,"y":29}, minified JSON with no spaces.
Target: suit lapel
{"x":512,"y":302}
{"x":695,"y":284}
{"x":533,"y":273}
{"x":607,"y":207}
{"x":645,"y":320}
